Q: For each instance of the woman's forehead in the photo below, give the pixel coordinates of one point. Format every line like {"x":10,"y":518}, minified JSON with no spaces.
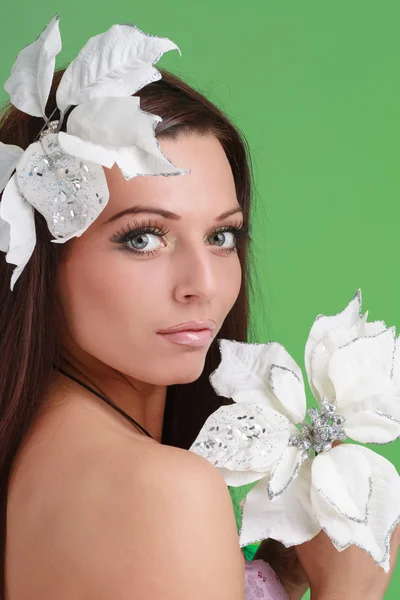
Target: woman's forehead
{"x":207,"y":189}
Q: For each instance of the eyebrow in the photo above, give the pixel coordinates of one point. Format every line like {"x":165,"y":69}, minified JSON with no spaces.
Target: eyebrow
{"x":135,"y":210}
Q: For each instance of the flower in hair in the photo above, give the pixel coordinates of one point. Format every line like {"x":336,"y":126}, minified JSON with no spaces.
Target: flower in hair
{"x":305,"y":481}
{"x":61,"y":174}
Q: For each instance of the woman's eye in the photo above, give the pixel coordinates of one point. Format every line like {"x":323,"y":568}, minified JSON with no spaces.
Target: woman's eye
{"x":144,"y":241}
{"x":140,"y":239}
{"x":220,"y":237}
{"x":148,"y":239}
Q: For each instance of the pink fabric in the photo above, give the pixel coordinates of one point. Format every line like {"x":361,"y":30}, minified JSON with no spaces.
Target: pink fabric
{"x":261,"y":582}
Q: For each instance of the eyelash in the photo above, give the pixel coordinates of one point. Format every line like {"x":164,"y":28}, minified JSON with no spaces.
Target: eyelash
{"x":126,"y":234}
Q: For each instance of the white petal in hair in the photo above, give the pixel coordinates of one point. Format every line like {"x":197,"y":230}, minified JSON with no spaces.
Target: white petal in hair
{"x":32,"y":73}
{"x":9,"y":157}
{"x":118,"y":62}
{"x":119,"y":126}
{"x":18,"y":214}
{"x":61,"y":173}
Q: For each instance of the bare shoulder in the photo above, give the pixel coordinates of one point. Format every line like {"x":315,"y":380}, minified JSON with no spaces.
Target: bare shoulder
{"x":179,"y":533}
{"x":120,"y":516}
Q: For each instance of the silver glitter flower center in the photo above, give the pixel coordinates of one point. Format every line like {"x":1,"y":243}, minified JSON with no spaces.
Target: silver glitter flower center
{"x":51,"y":127}
{"x":324,"y":428}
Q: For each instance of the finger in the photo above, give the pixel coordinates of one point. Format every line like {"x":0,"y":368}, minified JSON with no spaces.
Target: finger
{"x":336,"y":443}
{"x":396,"y":533}
{"x":394,"y":546}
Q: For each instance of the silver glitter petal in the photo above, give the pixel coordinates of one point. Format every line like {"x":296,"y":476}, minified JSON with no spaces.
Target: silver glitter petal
{"x":243,"y":437}
{"x":60,"y":186}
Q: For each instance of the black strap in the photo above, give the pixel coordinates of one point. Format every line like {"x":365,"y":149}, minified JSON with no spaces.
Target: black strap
{"x":123,"y":413}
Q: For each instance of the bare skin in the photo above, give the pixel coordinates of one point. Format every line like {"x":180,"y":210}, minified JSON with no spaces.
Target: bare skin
{"x":97,"y":511}
{"x":112,"y":303}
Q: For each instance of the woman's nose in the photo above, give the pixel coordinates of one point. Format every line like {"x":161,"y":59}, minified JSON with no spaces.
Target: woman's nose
{"x":198,"y":274}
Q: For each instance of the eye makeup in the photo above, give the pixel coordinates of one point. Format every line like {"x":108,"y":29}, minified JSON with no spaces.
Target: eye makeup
{"x":125,"y":236}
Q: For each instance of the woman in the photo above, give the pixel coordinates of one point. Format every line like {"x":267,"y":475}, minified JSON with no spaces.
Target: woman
{"x":100,"y":504}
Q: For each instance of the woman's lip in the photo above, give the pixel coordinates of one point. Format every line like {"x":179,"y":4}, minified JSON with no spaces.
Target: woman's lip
{"x":199,"y":337}
{"x":191,"y":326}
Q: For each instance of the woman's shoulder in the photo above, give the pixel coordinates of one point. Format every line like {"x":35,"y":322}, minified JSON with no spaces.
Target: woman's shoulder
{"x":84,"y":493}
{"x":79,"y":435}
{"x":80,"y":443}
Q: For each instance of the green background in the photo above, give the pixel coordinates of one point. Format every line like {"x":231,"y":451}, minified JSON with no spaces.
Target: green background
{"x":314,"y":86}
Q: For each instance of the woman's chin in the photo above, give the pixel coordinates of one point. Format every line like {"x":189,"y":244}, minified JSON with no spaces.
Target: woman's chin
{"x":184,"y":374}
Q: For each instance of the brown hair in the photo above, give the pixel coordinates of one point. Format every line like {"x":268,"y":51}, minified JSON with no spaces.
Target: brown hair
{"x":29,"y":347}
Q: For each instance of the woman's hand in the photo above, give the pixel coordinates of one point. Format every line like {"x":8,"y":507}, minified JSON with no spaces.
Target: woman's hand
{"x":285,"y":563}
{"x":350,"y":574}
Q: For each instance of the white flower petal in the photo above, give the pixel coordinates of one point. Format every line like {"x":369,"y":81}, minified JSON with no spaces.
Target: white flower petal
{"x":243,"y":372}
{"x":289,"y":389}
{"x":327,"y":347}
{"x":264,"y":398}
{"x":85,"y":150}
{"x":378,"y":425}
{"x":4,"y":236}
{"x":288,"y":518}
{"x":9,"y":157}
{"x":319,"y":380}
{"x":134,"y":161}
{"x":362,"y":368}
{"x":32,"y":73}
{"x":19,"y":214}
{"x":108,"y":121}
{"x":285,"y":470}
{"x":119,"y":125}
{"x":384,"y":512}
{"x":342,"y":478}
{"x":365,"y":329}
{"x":396,"y":365}
{"x":324,"y":324}
{"x":118,"y":62}
{"x":239,"y":478}
{"x":243,"y":437}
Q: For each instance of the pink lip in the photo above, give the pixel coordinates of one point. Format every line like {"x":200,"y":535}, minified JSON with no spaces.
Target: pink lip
{"x":200,"y":324}
{"x":199,"y":337}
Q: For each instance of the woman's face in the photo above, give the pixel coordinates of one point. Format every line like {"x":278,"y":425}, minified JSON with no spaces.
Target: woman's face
{"x":118,"y":289}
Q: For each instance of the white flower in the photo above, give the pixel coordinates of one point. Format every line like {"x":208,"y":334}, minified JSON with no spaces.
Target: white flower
{"x":61,"y":174}
{"x":303,"y":483}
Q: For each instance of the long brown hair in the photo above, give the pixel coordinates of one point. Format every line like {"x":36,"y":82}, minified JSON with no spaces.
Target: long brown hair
{"x":29,"y":347}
